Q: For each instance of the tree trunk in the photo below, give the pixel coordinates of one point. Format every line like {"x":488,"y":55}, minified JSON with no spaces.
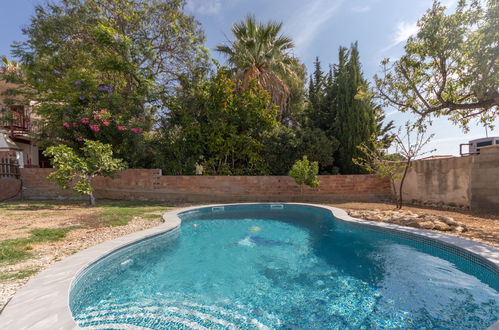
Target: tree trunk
{"x":92,"y":199}
{"x":394,"y":189}
{"x":399,"y":201}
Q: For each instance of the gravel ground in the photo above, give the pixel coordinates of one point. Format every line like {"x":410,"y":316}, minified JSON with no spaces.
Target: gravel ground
{"x":481,"y":227}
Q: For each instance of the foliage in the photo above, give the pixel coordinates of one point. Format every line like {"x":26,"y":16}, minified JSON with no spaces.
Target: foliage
{"x":305,"y":173}
{"x":383,"y":130}
{"x":261,"y":52}
{"x":218,"y":126}
{"x":354,"y":116}
{"x":77,"y":172}
{"x":296,"y":142}
{"x":374,"y":159}
{"x":408,"y":146}
{"x":450,"y":66}
{"x":99,"y":69}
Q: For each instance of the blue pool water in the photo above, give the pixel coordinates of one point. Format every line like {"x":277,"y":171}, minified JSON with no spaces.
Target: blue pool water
{"x":251,"y":267}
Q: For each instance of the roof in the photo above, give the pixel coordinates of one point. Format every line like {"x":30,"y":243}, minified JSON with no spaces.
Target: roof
{"x":6,"y":144}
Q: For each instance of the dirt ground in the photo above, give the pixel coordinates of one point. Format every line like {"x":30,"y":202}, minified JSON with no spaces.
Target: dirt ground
{"x":482,"y":227}
{"x":17,"y":222}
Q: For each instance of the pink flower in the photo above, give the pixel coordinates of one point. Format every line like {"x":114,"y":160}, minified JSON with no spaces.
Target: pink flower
{"x":135,"y":130}
{"x":105,"y":122}
{"x":85,"y":120}
{"x":141,"y":118}
{"x":121,"y":128}
{"x":66,"y":125}
{"x":96,"y":117}
{"x":139,"y":130}
{"x":95,"y":128}
{"x":149,"y":149}
{"x":75,"y":124}
{"x":79,"y":139}
{"x":103,"y":111}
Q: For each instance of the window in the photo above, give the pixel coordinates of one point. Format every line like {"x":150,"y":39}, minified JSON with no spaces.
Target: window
{"x":483,"y":144}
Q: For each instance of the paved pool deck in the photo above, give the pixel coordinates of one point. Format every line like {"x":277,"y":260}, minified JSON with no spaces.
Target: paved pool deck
{"x":43,"y":303}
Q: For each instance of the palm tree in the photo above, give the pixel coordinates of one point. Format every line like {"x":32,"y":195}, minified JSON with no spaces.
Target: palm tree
{"x":261,"y":52}
{"x":10,"y":67}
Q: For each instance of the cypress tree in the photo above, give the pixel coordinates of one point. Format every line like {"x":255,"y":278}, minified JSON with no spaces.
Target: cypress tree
{"x":355,"y":117}
{"x":316,"y":95}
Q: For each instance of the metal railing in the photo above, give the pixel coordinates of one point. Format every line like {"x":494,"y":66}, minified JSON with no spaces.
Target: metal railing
{"x":15,"y":120}
{"x":9,"y":168}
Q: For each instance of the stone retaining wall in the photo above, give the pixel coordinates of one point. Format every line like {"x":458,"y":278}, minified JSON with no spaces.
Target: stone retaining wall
{"x":149,"y":184}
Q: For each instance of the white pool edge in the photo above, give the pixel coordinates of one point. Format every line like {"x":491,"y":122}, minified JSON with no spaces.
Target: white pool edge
{"x":43,"y":303}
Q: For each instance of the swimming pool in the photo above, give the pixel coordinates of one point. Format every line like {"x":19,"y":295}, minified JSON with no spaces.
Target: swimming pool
{"x":283,"y":266}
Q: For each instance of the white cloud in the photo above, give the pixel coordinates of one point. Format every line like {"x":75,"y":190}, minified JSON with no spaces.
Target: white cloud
{"x":403,"y":30}
{"x":309,"y":20}
{"x":204,"y":7}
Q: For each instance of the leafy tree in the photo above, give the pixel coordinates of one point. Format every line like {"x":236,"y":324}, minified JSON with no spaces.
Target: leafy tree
{"x":77,"y":172}
{"x":295,"y":142}
{"x":394,"y":167}
{"x":383,"y":129}
{"x":261,"y":52}
{"x":450,"y":66}
{"x":355,"y":116}
{"x":100,"y":69}
{"x":222,"y":128}
{"x":305,"y":173}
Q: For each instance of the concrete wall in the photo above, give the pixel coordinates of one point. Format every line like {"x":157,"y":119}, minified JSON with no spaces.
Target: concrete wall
{"x":444,"y":181}
{"x":142,"y":184}
{"x":485,"y":179}
{"x":470,"y":182}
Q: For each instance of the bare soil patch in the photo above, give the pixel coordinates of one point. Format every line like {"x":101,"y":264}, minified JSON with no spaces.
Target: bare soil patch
{"x":481,"y":226}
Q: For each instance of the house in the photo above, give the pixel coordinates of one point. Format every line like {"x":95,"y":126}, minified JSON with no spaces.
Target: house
{"x":15,"y":128}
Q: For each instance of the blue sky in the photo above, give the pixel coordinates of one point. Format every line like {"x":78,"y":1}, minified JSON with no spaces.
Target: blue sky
{"x":318,"y":28}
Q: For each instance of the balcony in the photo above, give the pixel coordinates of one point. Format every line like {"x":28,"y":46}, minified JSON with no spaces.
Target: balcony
{"x":15,"y":121}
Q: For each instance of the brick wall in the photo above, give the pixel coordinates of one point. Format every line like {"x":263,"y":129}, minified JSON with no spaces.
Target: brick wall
{"x":10,"y":189}
{"x":144,"y":184}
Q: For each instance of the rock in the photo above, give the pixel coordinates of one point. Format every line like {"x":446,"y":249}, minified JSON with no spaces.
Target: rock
{"x":449,"y":220}
{"x":439,"y":225}
{"x":426,"y":225}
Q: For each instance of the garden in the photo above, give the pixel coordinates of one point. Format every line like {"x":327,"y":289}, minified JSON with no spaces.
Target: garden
{"x":127,"y":85}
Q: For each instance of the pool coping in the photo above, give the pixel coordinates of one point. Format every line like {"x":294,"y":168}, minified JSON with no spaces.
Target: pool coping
{"x":43,"y":303}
